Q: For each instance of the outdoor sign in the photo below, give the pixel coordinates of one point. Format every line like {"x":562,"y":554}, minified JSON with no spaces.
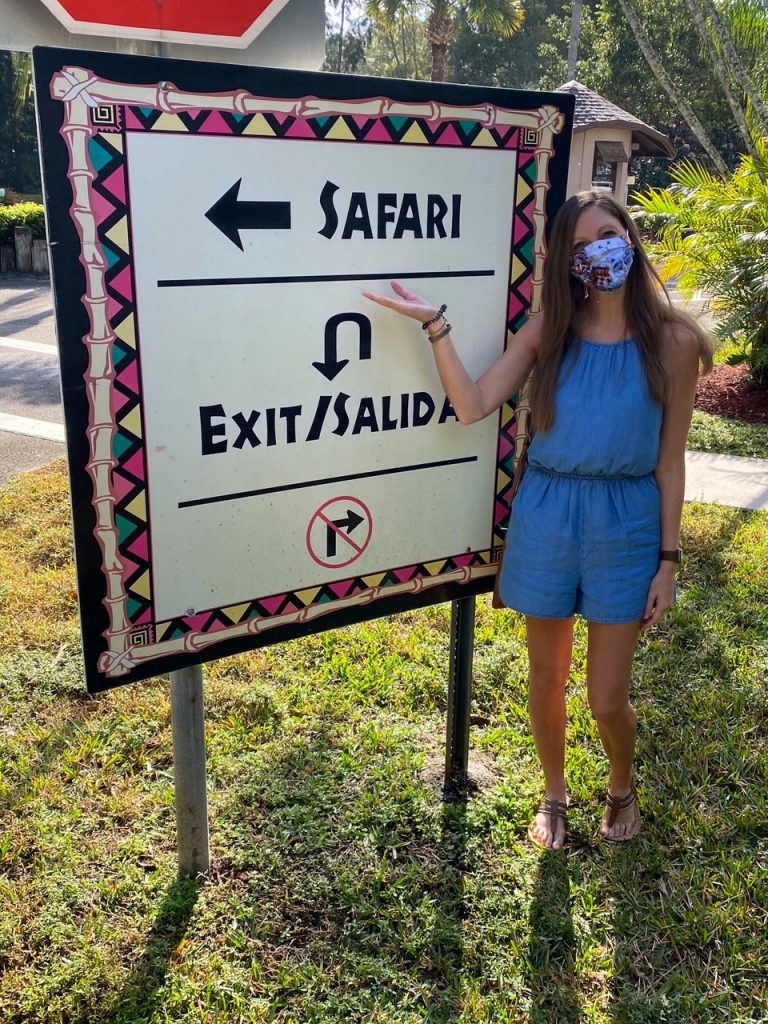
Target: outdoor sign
{"x":235,"y":23}
{"x":256,"y":450}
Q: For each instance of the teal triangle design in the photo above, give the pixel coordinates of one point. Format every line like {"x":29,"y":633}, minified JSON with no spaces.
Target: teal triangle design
{"x":322,"y":121}
{"x":177,"y":632}
{"x":99,"y":156}
{"x":125,"y":527}
{"x":147,"y":111}
{"x":134,"y":607}
{"x":118,"y":355}
{"x":468,"y":126}
{"x":398,"y":123}
{"x":112,"y":257}
{"x":121,"y":445}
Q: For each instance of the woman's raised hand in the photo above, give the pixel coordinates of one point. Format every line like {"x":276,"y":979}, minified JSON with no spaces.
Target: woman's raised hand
{"x":407,"y":303}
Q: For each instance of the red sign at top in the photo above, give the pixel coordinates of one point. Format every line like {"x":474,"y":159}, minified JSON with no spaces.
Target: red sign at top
{"x":234,"y":23}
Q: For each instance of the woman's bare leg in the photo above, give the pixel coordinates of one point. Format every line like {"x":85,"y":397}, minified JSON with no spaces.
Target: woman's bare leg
{"x":610,"y":653}
{"x":550,"y":643}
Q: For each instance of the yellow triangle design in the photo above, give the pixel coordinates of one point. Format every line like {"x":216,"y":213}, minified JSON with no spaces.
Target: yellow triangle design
{"x":258,"y":126}
{"x":114,"y":140}
{"x":415,"y":134}
{"x":236,"y":612}
{"x":161,"y":628}
{"x":141,"y":586}
{"x":374,"y":581}
{"x":502,"y":479}
{"x":169,"y":123}
{"x":523,"y":189}
{"x":119,"y":234}
{"x":138,"y":507}
{"x":518,"y":268}
{"x":126,"y":331}
{"x":307,"y":596}
{"x":484,"y":138}
{"x":340,"y":131}
{"x":433,"y":568}
{"x":132,"y":421}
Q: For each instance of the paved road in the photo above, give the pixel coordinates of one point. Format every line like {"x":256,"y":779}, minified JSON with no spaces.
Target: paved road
{"x":31,"y":431}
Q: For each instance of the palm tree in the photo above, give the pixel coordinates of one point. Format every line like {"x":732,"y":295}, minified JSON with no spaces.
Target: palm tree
{"x":504,"y":17}
{"x":670,"y":88}
{"x":573,"y":42}
{"x":735,"y":66}
{"x":722,"y":71}
{"x":714,"y":238}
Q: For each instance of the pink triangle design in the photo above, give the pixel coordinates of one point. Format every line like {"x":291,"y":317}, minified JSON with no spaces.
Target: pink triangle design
{"x":272,"y":604}
{"x":300,"y":129}
{"x":120,"y":486}
{"x":141,"y":547}
{"x":118,"y":401}
{"x":115,"y":184}
{"x":216,"y":125}
{"x":102,"y":207}
{"x":135,"y":465}
{"x":122,"y":284}
{"x":406,"y":574}
{"x":378,"y":133}
{"x":129,"y":377}
{"x":521,"y":229}
{"x":449,"y":137}
{"x":342,"y":588}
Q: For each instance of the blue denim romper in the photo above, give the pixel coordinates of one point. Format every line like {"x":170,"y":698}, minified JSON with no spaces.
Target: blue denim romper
{"x":585,"y":529}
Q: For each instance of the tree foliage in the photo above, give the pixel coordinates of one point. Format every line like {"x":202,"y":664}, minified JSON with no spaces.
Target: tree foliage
{"x":19,"y":163}
{"x":714,"y":236}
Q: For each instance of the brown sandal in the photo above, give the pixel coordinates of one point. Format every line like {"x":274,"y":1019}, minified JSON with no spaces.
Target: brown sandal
{"x":556,"y":809}
{"x":614,"y":804}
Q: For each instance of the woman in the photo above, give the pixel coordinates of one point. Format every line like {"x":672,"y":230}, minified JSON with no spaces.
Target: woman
{"x":595,"y":527}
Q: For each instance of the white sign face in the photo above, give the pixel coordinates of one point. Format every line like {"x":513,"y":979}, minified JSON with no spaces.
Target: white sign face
{"x":243,"y":425}
{"x":270,"y":451}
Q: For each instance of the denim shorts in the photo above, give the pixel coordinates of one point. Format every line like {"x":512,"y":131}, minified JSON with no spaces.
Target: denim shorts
{"x":582,"y":544}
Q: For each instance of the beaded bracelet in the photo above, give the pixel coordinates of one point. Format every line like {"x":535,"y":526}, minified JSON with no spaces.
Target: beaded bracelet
{"x":446,"y":329}
{"x":438,"y":315}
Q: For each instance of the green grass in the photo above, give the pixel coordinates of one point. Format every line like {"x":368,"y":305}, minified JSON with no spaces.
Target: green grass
{"x":727,"y":437}
{"x":343,"y":889}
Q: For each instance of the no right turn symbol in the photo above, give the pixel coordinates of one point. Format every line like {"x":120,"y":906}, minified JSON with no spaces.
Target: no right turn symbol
{"x":339,"y":532}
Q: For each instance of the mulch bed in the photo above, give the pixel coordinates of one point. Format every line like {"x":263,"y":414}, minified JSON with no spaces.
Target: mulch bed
{"x":729,"y":391}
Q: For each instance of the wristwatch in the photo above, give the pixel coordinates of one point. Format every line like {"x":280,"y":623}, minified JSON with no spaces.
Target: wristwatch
{"x":676,"y":555}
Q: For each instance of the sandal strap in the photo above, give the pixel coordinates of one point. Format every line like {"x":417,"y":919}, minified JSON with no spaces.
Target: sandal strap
{"x":618,"y":803}
{"x":555,"y":809}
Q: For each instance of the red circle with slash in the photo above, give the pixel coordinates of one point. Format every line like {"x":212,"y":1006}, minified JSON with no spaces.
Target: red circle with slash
{"x":339,"y":532}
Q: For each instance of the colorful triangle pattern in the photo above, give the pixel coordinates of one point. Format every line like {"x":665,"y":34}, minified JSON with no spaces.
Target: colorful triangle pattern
{"x":109,"y":196}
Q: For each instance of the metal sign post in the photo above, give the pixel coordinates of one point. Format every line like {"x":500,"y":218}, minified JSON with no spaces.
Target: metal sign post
{"x":188,"y":724}
{"x":459,"y":691}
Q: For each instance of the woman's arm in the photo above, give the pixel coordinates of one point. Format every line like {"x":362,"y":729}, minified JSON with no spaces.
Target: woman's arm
{"x":472,"y":400}
{"x":681,"y":360}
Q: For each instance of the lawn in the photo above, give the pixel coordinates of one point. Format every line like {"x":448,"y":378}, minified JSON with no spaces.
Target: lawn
{"x":343,"y":888}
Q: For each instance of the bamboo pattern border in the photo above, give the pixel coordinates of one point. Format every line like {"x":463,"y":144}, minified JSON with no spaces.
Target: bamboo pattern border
{"x":79,"y":90}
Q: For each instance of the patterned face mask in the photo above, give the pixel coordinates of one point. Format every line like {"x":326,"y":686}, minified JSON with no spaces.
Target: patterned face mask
{"x":603,"y":264}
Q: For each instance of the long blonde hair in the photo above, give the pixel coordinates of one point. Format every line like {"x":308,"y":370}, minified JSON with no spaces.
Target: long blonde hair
{"x":649,"y":311}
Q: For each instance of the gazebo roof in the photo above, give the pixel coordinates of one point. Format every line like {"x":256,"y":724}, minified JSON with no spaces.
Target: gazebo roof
{"x":593,"y":109}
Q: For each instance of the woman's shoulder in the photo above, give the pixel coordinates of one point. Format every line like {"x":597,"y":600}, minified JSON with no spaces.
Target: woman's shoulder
{"x":685,"y":343}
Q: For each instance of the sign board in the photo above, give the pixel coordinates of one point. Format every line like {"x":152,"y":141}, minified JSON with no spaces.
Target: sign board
{"x":235,"y":23}
{"x":293,"y":38}
{"x":256,"y":450}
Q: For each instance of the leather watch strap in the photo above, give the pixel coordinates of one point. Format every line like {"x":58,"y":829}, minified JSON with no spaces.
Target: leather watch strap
{"x":676,"y":555}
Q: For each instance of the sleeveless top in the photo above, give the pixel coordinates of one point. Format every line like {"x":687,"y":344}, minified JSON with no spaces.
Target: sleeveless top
{"x":607,"y":423}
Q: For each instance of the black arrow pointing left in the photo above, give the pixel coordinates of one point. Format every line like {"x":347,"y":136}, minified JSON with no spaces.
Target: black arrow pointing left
{"x":232,"y":215}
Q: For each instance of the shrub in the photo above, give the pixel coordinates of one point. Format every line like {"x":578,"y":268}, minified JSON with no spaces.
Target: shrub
{"x":31,"y":214}
{"x":716,"y":239}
